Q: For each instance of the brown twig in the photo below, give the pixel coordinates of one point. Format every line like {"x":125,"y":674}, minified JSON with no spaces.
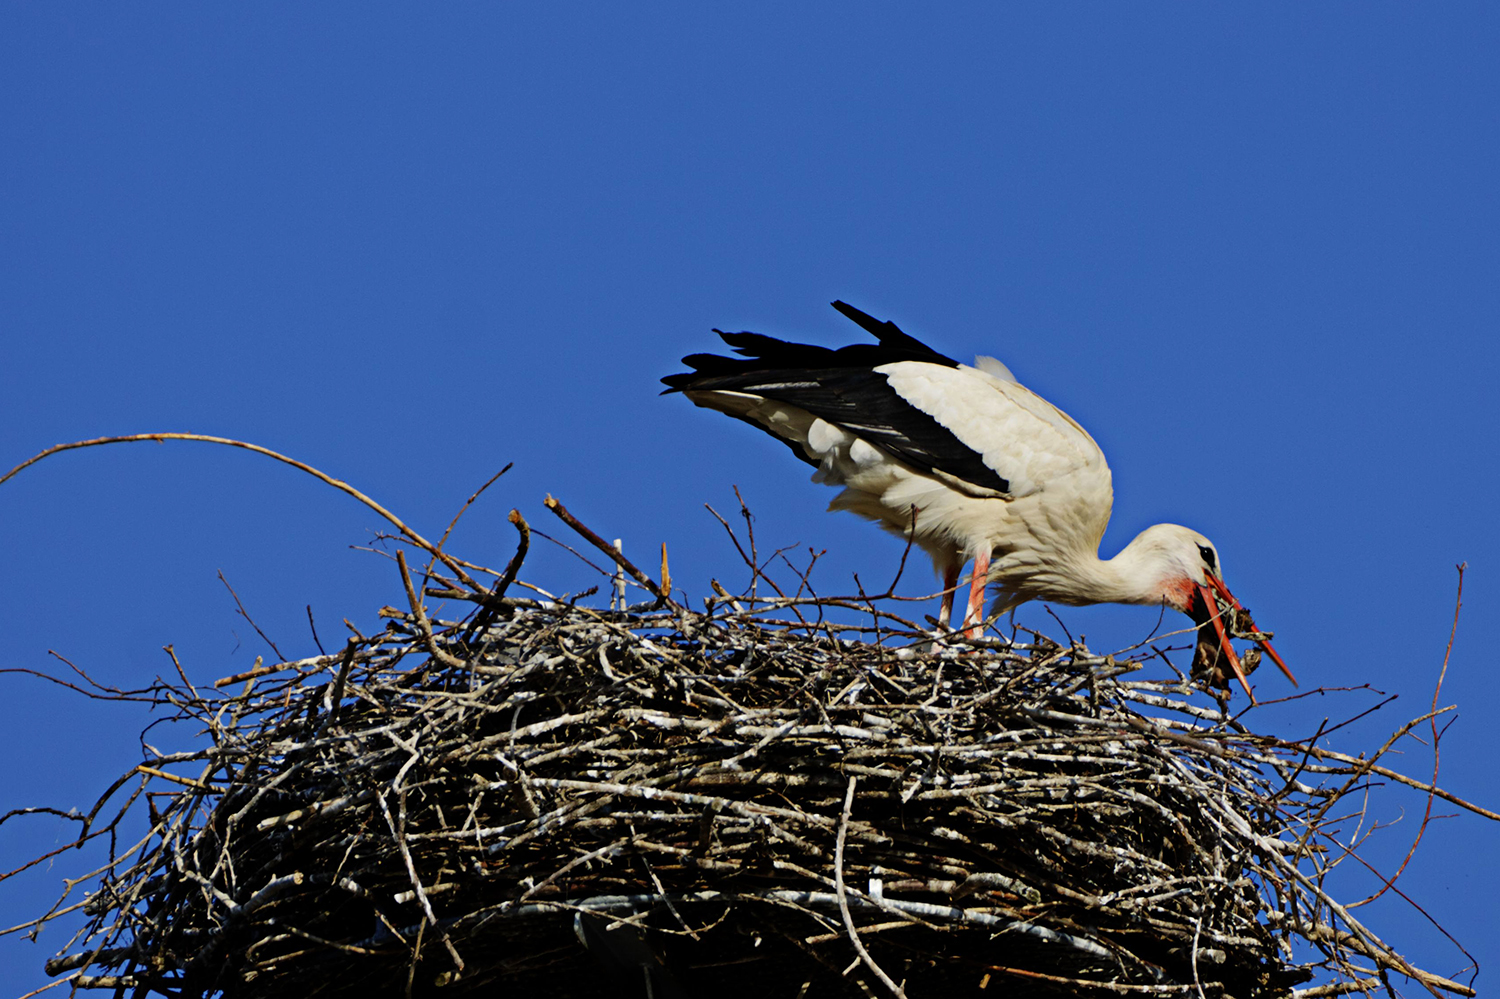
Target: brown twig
{"x":240,"y":609}
{"x":614,"y":553}
{"x":492,"y":602}
{"x":1458,"y":602}
{"x":419,"y":612}
{"x":470,"y":502}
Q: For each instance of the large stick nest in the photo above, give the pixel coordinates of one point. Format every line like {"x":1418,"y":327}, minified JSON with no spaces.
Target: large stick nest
{"x":666,"y":802}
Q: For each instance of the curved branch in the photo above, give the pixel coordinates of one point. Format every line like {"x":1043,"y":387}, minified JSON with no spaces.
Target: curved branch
{"x":338,"y":484}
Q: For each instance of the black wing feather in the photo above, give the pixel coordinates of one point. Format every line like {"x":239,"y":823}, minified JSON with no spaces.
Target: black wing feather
{"x":840,"y":386}
{"x":890,"y":335}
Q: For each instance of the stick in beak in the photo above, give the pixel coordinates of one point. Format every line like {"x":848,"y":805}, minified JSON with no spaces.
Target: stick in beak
{"x":1223,"y":591}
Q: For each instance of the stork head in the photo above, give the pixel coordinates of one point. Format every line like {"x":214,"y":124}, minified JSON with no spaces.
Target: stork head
{"x":1192,"y":581}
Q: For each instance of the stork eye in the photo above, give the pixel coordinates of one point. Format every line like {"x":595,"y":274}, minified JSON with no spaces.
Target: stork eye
{"x":1208,"y":556}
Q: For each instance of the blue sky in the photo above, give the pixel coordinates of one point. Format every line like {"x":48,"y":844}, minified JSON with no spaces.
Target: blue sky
{"x":1253,"y":249}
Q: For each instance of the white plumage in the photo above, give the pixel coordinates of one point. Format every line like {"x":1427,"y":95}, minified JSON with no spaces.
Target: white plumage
{"x":968,"y":463}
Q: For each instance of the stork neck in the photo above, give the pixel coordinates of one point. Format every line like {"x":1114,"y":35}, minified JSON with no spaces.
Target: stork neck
{"x":1137,"y":575}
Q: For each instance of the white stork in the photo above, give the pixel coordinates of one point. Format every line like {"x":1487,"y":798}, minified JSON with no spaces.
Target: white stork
{"x":967,"y":463}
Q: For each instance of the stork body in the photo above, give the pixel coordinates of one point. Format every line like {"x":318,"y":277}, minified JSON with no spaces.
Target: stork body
{"x":966,"y":462}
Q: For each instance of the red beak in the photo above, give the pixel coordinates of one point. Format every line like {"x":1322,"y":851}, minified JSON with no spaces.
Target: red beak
{"x":1219,"y":589}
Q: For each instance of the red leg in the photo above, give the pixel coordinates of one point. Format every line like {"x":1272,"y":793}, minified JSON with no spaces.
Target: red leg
{"x":975,"y":613}
{"x":950,"y":581}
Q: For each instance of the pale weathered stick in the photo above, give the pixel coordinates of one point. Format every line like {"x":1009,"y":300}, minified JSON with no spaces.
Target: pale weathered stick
{"x":838,"y":877}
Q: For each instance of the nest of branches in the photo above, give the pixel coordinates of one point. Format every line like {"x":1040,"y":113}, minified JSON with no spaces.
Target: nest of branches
{"x":793,"y":796}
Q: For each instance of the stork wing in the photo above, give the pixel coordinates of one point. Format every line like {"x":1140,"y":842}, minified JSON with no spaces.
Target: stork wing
{"x":922,"y":406}
{"x":1014,"y":431}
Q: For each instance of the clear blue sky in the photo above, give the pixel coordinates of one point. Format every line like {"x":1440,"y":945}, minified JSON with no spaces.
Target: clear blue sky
{"x":1254,"y":249}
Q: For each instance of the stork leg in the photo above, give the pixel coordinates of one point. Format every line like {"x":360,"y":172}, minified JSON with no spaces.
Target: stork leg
{"x":950,"y":583}
{"x":975,"y":613}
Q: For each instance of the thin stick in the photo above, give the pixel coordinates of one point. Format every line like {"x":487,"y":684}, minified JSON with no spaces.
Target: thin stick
{"x":344,"y":487}
{"x":246,"y":615}
{"x":514,"y":565}
{"x":750,"y":534}
{"x":336,"y":693}
{"x":838,"y":882}
{"x":604,"y":546}
{"x":490,"y":604}
{"x":619,"y":591}
{"x":313,"y":627}
{"x":419,"y":612}
{"x":470,"y":502}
